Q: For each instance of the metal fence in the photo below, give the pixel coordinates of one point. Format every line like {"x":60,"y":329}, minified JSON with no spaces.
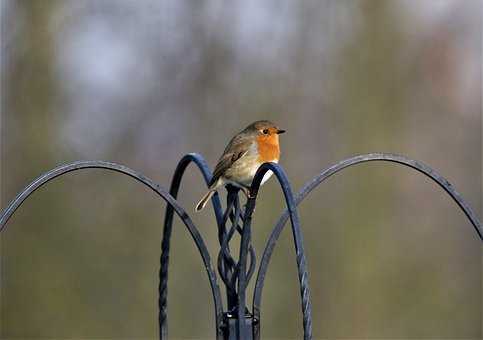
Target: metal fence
{"x":236,"y":320}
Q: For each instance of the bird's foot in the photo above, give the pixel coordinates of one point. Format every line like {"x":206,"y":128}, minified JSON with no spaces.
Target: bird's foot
{"x":246,"y":191}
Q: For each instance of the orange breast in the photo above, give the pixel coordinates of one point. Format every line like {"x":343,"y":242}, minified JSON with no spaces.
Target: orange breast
{"x":268,"y":148}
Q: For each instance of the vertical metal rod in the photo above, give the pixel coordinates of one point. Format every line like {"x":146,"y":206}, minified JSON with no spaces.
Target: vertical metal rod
{"x":244,"y":330}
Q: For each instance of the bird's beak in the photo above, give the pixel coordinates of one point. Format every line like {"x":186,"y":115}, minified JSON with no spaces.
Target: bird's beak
{"x":280,"y":131}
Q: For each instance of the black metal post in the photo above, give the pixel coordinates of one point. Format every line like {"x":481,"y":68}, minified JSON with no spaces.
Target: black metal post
{"x":236,"y":322}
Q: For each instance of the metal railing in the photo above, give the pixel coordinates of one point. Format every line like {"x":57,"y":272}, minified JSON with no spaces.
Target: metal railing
{"x":235,"y":320}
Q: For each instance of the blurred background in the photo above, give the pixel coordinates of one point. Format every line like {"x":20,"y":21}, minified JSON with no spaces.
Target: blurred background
{"x":144,"y":82}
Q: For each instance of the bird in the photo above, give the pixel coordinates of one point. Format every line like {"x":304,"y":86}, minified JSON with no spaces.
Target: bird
{"x":258,"y":143}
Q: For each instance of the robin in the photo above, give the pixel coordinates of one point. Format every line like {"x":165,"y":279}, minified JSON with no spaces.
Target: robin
{"x":243,"y":155}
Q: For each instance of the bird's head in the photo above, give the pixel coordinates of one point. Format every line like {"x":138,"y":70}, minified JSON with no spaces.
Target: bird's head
{"x":264,"y":129}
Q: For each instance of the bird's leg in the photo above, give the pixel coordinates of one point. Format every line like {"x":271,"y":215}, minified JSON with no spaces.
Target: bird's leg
{"x":248,"y":195}
{"x":246,"y":191}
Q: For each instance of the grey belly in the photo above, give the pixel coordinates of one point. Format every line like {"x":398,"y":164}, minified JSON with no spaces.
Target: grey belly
{"x":243,"y":170}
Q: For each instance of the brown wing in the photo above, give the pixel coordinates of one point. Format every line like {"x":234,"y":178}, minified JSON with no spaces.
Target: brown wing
{"x":235,"y":149}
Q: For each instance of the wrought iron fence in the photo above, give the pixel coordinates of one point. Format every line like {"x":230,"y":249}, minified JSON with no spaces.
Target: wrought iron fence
{"x":236,"y":320}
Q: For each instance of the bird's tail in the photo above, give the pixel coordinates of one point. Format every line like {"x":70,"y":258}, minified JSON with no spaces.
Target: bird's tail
{"x":201,"y":204}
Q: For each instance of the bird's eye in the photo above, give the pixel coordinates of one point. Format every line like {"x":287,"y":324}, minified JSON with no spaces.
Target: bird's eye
{"x":265,"y":131}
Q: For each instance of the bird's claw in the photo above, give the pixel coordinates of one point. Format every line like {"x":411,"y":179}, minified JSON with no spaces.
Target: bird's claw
{"x":246,"y":191}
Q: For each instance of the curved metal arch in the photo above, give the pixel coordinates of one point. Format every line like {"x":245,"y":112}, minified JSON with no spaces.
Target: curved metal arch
{"x":299,"y":249}
{"x":165,"y":244}
{"x":309,"y":186}
{"x":63,"y":169}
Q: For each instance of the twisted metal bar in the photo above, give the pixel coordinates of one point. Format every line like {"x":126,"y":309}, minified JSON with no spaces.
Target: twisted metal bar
{"x":309,"y":186}
{"x":63,"y":169}
{"x":242,"y":331}
{"x":165,"y":244}
{"x":299,"y":250}
{"x":226,"y":263}
{"x":229,"y":269}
